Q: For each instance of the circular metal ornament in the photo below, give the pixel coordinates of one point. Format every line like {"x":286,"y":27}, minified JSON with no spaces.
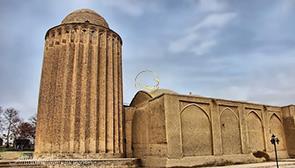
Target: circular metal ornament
{"x":147,"y":80}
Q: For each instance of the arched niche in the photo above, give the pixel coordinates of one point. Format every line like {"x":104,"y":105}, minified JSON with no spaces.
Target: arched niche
{"x":195,"y":131}
{"x":276,"y":128}
{"x":255,"y":132}
{"x":230,"y":132}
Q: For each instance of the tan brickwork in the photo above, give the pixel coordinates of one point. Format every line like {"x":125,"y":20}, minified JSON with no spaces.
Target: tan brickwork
{"x":80,"y":113}
{"x":168,"y":129}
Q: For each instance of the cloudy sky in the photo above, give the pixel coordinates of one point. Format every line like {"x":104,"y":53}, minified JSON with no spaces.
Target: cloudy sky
{"x":231,"y":49}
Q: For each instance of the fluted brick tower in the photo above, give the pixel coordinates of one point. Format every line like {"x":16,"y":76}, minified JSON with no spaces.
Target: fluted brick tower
{"x":80,"y":103}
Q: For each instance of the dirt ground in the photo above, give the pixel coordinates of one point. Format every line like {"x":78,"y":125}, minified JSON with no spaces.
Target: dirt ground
{"x":15,"y":155}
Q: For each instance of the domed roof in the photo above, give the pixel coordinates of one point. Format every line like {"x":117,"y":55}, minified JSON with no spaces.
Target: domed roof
{"x":142,"y":96}
{"x":160,"y":91}
{"x":85,"y":15}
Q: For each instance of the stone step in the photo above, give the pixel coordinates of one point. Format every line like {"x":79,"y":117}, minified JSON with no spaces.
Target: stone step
{"x":69,"y":163}
{"x":12,"y":164}
{"x":287,"y":160}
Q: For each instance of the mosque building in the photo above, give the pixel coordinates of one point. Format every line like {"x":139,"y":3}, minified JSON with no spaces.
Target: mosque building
{"x":81,"y":113}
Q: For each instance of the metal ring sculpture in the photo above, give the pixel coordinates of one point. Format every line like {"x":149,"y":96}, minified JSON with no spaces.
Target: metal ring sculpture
{"x":141,"y":84}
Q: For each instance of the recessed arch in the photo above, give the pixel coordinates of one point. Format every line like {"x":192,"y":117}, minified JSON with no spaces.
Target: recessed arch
{"x":255,"y":132}
{"x":198,"y":106}
{"x":275,"y":115}
{"x":230,"y":132}
{"x":195,"y":131}
{"x":255,"y":113}
{"x":276,"y":128}
{"x":229,"y":109}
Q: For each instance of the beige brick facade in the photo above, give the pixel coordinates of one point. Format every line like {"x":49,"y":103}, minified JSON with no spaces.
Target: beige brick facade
{"x":168,"y":129}
{"x":80,"y":105}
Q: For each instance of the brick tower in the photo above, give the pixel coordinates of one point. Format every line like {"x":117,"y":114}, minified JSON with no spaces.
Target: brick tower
{"x":80,"y":111}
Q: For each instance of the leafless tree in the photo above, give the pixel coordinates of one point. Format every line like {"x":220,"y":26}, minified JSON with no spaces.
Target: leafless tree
{"x":11,"y":119}
{"x":33,"y":121}
{"x":26,"y":130}
{"x":1,"y":119}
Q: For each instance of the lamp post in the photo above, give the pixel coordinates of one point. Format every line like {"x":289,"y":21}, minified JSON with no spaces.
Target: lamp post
{"x":274,"y":140}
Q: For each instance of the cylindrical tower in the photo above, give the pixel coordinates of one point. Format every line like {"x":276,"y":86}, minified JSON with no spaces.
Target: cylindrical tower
{"x":80,"y":111}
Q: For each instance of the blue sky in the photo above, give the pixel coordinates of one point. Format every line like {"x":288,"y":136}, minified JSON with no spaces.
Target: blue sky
{"x":231,"y":49}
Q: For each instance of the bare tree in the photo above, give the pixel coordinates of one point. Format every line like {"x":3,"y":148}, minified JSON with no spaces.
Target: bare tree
{"x":1,"y":119}
{"x":26,"y":130}
{"x":11,"y":119}
{"x":33,"y":121}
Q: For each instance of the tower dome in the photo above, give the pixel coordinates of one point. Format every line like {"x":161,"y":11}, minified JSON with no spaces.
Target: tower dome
{"x":85,"y":15}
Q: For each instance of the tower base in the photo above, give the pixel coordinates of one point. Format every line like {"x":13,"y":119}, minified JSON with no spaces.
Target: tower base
{"x":72,"y":163}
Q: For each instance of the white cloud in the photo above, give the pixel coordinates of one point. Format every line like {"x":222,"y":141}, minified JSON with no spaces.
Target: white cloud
{"x":215,"y":20}
{"x":203,"y":47}
{"x":182,"y":44}
{"x":202,"y":37}
{"x":269,"y":78}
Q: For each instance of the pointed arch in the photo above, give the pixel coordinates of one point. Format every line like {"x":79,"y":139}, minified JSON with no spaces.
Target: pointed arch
{"x":255,"y":132}
{"x":276,"y":128}
{"x":195,"y":131}
{"x":275,"y":115}
{"x":230,"y":132}
{"x":229,"y":109}
{"x":255,"y":113}
{"x":198,"y":106}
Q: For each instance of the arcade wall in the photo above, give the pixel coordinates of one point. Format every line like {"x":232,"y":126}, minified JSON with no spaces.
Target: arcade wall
{"x":176,"y":126}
